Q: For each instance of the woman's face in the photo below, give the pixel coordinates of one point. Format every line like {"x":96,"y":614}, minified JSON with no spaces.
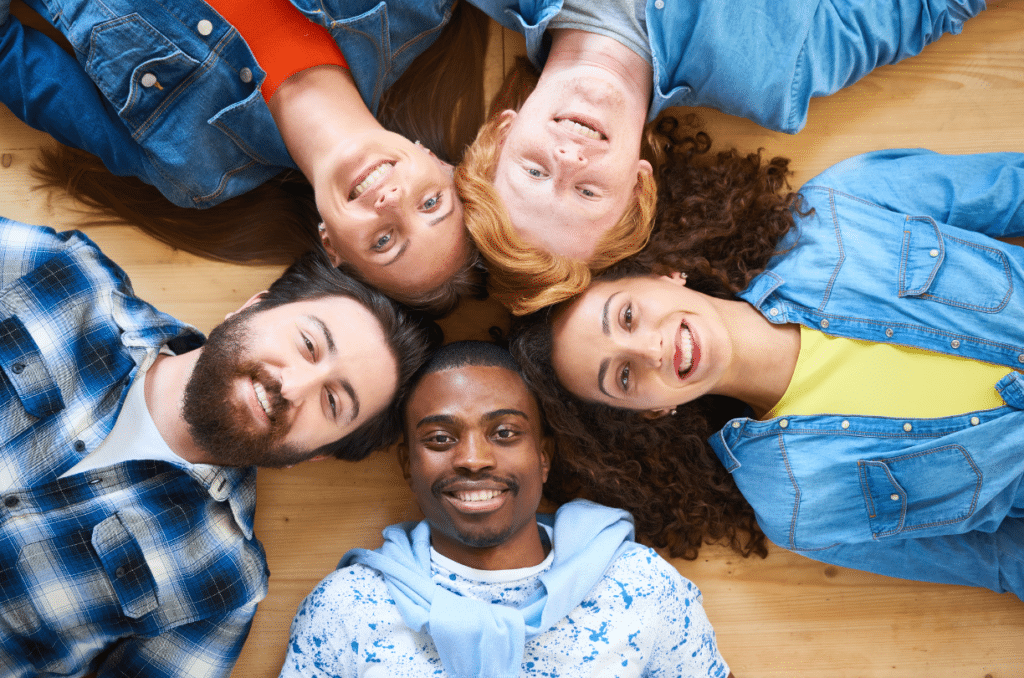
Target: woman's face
{"x":642,"y":343}
{"x":391,"y":211}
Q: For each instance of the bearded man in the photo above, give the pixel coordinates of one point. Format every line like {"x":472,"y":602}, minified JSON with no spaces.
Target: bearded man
{"x":127,"y":479}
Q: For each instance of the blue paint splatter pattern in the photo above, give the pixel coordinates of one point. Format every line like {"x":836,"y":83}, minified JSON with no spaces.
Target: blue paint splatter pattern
{"x":642,"y":619}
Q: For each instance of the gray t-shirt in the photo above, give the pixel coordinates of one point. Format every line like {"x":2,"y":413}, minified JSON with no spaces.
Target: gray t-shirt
{"x":621,"y":20}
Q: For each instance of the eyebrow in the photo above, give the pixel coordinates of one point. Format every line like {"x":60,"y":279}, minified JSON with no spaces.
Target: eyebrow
{"x":441,"y":218}
{"x":328,"y":337}
{"x":488,"y":416}
{"x":607,"y":331}
{"x":601,"y":372}
{"x":401,"y":251}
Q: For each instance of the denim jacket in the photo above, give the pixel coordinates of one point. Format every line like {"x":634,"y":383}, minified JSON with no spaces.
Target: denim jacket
{"x":761,"y":59}
{"x":169,"y":92}
{"x":899,"y":250}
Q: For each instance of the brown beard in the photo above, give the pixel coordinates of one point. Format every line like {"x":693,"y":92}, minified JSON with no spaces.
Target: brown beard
{"x":222,"y":425}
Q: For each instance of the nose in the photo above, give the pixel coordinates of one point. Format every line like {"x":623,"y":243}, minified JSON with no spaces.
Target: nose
{"x":651,"y":348}
{"x":474,"y":454}
{"x":390,"y":196}
{"x":300,"y":382}
{"x":570,"y":155}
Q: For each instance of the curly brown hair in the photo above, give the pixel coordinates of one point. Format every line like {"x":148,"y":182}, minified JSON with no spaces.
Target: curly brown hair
{"x":719,"y":218}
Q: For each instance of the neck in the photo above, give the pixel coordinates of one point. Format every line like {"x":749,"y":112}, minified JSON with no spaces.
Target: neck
{"x":524,"y":549}
{"x":764,"y":356}
{"x":169,"y":374}
{"x":316,"y":110}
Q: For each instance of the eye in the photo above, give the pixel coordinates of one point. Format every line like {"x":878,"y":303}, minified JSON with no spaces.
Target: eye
{"x":506,"y":434}
{"x":439,"y":440}
{"x":309,"y":346}
{"x":383,"y":243}
{"x":534,"y":172}
{"x":624,"y":378}
{"x":587,"y":193}
{"x":431,"y":203}
{"x":333,"y":403}
{"x":627,"y":317}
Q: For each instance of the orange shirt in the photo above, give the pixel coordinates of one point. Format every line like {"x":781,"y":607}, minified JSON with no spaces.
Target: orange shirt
{"x":281,"y":38}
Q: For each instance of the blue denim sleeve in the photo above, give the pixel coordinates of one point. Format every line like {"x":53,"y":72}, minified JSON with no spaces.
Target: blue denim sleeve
{"x":983,"y":193}
{"x":991,"y":560}
{"x":45,"y":87}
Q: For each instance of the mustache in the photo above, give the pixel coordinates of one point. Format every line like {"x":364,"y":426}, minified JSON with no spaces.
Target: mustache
{"x":272,"y":387}
{"x":440,"y":486}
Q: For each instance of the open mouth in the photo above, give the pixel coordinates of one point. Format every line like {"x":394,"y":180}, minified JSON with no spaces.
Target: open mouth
{"x":586,"y":129}
{"x":686,"y":355}
{"x":261,"y":396}
{"x":372,"y":177}
{"x":477,"y":501}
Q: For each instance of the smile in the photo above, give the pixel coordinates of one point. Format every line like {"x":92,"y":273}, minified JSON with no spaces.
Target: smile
{"x":576,"y":127}
{"x":477,"y":501}
{"x":687,"y":355}
{"x":261,"y":396}
{"x":368,"y":181}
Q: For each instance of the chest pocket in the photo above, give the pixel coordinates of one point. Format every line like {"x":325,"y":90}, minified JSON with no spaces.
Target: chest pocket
{"x":137,"y":68}
{"x":918,"y":491}
{"x":943,"y":268}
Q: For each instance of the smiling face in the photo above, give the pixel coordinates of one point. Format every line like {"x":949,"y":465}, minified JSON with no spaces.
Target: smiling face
{"x":391,"y":211}
{"x":568,"y":167}
{"x":642,"y":343}
{"x":476,"y":459}
{"x":273,"y":386}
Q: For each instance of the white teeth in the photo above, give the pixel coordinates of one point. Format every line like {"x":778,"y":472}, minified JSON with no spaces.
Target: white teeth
{"x":477,"y":495}
{"x":261,"y":395}
{"x":686,"y":344}
{"x":579,"y":128}
{"x":371,"y":179}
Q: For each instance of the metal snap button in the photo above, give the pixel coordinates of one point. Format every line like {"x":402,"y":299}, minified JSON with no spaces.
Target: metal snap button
{"x":245,"y":75}
{"x":888,"y":332}
{"x":824,"y":323}
{"x":975,"y":421}
{"x":845,"y":424}
{"x":18,"y":368}
{"x":784,"y":423}
{"x":907,"y":427}
{"x":204,"y":27}
{"x":955,"y":343}
{"x":148,"y":80}
{"x":933,"y":253}
{"x":894,"y":497}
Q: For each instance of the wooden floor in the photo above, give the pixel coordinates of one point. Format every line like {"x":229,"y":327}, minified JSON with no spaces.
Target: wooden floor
{"x":785,"y":616}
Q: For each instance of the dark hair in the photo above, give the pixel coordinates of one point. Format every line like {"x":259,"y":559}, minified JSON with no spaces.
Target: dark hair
{"x":410,"y":339}
{"x":719,"y":218}
{"x":434,"y":101}
{"x":468,"y":353}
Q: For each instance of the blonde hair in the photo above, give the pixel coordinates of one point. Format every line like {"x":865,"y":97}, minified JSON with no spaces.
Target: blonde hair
{"x":522,"y":276}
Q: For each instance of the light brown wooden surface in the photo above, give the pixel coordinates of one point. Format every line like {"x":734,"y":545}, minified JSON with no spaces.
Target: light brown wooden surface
{"x":784,"y":616}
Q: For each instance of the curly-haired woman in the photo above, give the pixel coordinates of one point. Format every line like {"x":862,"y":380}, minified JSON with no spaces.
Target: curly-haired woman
{"x":209,"y":101}
{"x":866,"y":376}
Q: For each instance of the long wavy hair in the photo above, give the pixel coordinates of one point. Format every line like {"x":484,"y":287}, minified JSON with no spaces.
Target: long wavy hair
{"x":438,"y":100}
{"x":522,"y":276}
{"x":719,"y":218}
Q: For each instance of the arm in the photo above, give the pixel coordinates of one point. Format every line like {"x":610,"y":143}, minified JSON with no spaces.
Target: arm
{"x":320,"y":645}
{"x":46,"y":87}
{"x":207,"y":648}
{"x":983,"y":193}
{"x":992,"y":560}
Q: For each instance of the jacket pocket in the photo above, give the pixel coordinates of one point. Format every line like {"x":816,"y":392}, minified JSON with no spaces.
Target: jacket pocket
{"x":137,"y":68}
{"x":944,"y":268}
{"x":918,"y":491}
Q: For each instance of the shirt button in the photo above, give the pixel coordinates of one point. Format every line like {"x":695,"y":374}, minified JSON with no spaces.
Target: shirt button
{"x":907,"y":427}
{"x":975,"y":421}
{"x":845,"y":424}
{"x":735,"y":424}
{"x":659,"y":4}
{"x":888,"y":332}
{"x":933,"y":253}
{"x":955,"y":343}
{"x":784,"y":423}
{"x":119,"y":572}
{"x":18,"y":368}
{"x":79,"y":446}
{"x":148,"y":80}
{"x":204,"y":27}
{"x":773,"y":312}
{"x":1020,"y":358}
{"x":894,"y":497}
{"x":824,"y":323}
{"x":245,"y":74}
{"x":11,"y":502}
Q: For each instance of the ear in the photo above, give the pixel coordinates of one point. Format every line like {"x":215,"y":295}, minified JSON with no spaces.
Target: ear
{"x":547,"y":451}
{"x":643,"y":167}
{"x":675,"y":277}
{"x":332,"y":254}
{"x":403,"y":460}
{"x":252,"y":300}
{"x":508,"y":115}
{"x":657,"y":414}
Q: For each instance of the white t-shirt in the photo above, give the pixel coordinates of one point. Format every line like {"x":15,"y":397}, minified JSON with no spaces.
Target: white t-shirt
{"x":642,"y":619}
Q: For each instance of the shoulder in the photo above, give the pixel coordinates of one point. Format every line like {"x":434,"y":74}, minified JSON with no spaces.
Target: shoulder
{"x":644,"y":570}
{"x":349,"y":589}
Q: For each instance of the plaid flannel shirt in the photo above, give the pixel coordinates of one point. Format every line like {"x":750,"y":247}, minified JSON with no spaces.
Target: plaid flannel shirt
{"x":142,"y":568}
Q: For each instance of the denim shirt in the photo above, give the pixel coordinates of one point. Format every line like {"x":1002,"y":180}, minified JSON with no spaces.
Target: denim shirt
{"x":898,"y":250}
{"x":761,"y":59}
{"x":170,"y":93}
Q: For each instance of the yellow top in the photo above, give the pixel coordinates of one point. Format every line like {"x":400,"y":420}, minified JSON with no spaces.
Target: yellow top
{"x":835,"y":375}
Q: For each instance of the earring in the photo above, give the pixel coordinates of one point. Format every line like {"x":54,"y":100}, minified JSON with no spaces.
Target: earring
{"x":682,"y":276}
{"x":417,"y":142}
{"x":321,"y":228}
{"x":673,"y":412}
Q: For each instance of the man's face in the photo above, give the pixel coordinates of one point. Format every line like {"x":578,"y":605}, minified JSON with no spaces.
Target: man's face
{"x":568,"y":167}
{"x":273,"y":386}
{"x":476,"y":459}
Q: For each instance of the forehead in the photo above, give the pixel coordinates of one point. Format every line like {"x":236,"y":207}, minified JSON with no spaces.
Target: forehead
{"x":470,"y":391}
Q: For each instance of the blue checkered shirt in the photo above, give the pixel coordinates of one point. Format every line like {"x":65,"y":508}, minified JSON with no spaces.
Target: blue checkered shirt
{"x":142,"y":568}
